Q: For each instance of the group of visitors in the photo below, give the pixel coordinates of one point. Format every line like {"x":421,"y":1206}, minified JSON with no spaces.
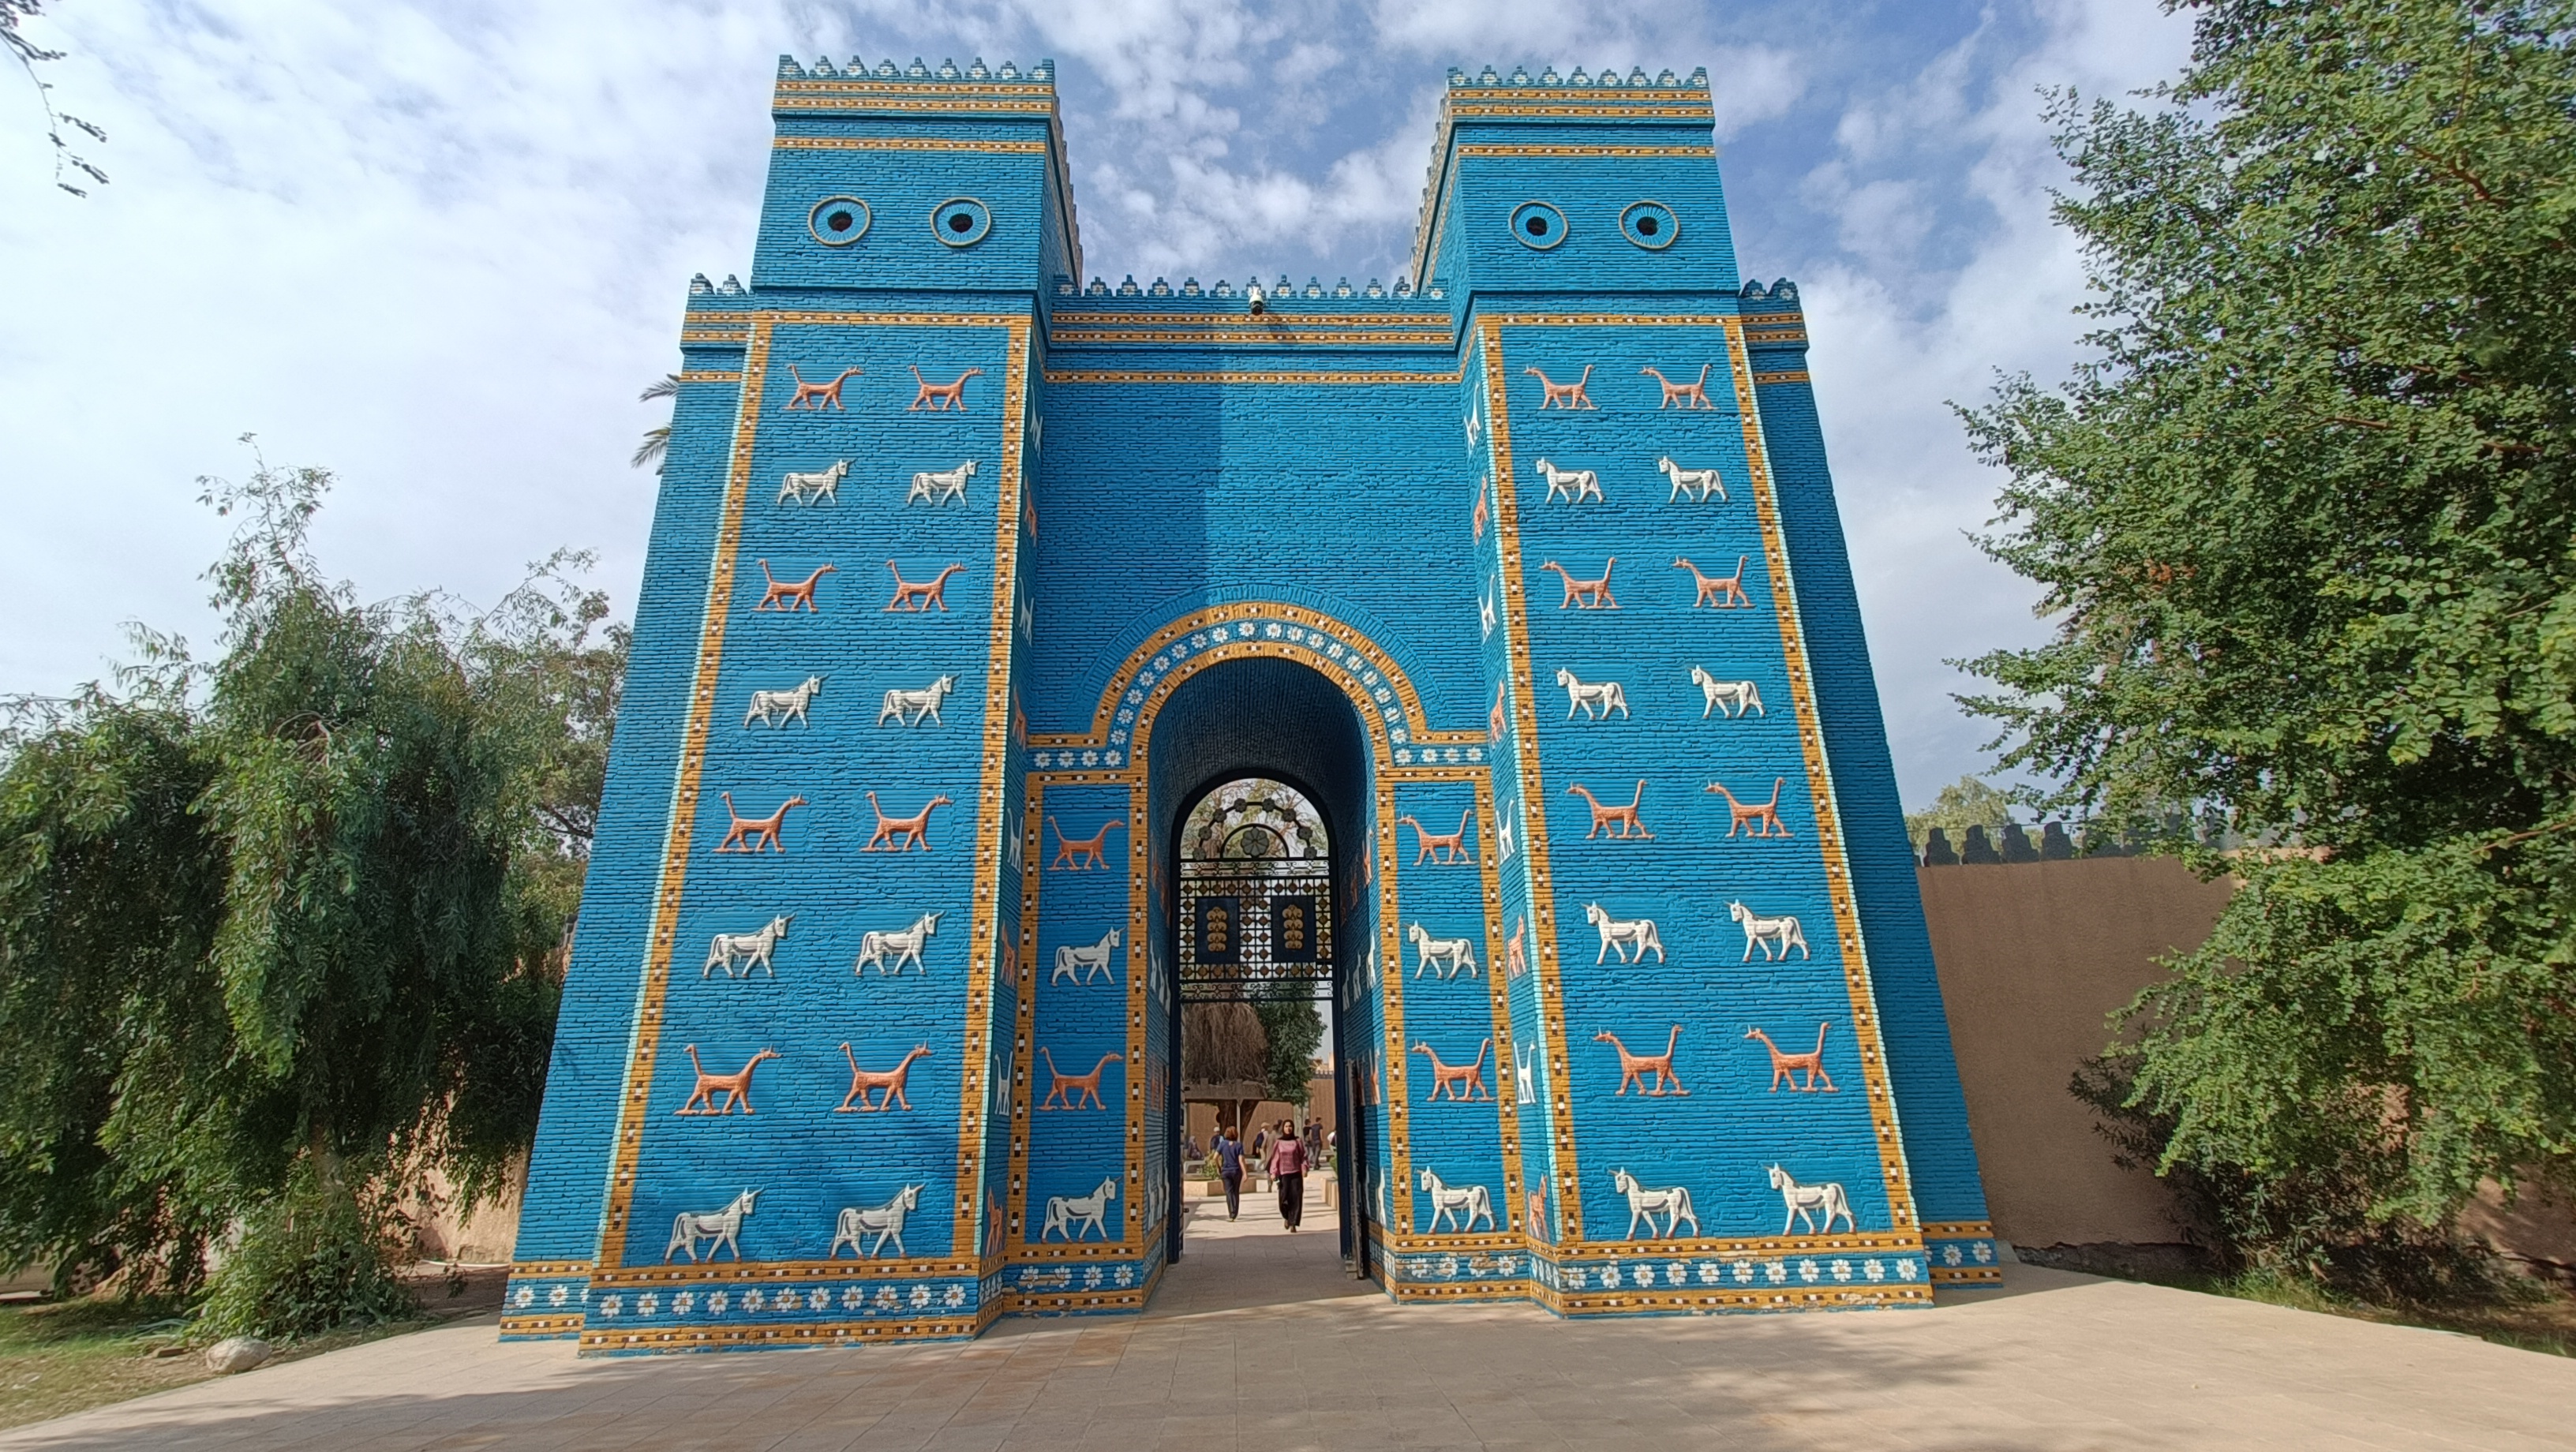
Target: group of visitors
{"x":1280,"y":1152}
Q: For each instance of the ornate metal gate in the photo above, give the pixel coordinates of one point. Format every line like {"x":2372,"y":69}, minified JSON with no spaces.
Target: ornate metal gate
{"x":1256,"y":898}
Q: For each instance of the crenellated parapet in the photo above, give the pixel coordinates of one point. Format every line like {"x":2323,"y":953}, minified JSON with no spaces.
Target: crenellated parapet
{"x":1775,"y":332}
{"x":888,"y":89}
{"x":1545,"y":96}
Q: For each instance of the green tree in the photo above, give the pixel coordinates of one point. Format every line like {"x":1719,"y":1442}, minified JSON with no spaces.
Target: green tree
{"x":2305,"y":526}
{"x":1292,"y":1030}
{"x":1971,"y":801}
{"x":282,"y":932}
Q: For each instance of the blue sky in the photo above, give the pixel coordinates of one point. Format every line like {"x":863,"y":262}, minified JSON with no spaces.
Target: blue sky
{"x":439,"y":247}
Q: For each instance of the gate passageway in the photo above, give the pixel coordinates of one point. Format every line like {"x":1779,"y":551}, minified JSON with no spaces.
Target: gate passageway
{"x":1254,"y":1261}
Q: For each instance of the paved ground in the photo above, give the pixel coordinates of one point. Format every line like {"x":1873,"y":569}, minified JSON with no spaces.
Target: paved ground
{"x":1257,"y":1341}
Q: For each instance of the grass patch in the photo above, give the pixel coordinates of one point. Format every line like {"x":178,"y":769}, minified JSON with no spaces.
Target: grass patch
{"x":2500,"y":1304}
{"x":59,"y":1359}
{"x":65,"y":1358}
{"x":2531,"y":1314}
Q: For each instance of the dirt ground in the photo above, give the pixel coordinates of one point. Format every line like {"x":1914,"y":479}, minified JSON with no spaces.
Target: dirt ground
{"x":56,"y":1359}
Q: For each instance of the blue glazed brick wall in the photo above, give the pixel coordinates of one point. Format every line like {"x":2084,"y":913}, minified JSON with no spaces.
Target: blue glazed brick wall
{"x":1199,"y":543}
{"x":1926,"y":1074}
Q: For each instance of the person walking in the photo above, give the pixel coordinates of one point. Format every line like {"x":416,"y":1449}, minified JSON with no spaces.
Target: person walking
{"x":1229,"y":1169}
{"x":1288,"y":1171}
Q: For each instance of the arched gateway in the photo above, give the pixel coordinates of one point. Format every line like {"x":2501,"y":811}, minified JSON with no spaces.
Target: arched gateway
{"x":968,"y":580}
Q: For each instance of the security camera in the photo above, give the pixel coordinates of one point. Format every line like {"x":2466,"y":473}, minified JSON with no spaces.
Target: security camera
{"x":1260,"y":305}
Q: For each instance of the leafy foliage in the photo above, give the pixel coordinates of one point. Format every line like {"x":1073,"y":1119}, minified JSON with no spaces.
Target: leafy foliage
{"x":2306,"y":527}
{"x":283,"y":929}
{"x":15,"y":43}
{"x":657,"y":440}
{"x":314,"y":1258}
{"x":1292,"y":1029}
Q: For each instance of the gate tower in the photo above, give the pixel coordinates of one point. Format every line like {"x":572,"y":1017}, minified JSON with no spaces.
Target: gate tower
{"x":968,"y":577}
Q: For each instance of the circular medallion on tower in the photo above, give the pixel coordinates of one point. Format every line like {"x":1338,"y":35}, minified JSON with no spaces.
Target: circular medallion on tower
{"x":838,"y":221}
{"x":1538,"y":225}
{"x":1650,"y":225}
{"x":960,"y":221}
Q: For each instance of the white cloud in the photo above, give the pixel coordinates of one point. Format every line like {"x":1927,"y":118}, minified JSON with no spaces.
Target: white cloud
{"x":1898,"y":332}
{"x":440,"y":247}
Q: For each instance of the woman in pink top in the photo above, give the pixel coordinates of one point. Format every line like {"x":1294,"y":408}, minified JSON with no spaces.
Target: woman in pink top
{"x":1288,"y":1170}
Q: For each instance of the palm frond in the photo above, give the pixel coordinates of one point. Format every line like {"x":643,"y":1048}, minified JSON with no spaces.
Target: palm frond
{"x":656,"y":445}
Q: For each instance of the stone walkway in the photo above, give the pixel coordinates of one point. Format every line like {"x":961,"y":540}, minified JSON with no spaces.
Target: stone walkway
{"x":1258,"y":1341}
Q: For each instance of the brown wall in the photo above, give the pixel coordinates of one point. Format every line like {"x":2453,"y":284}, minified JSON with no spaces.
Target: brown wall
{"x":2033,"y":957}
{"x":1199,"y":1117}
{"x":489,"y":1236}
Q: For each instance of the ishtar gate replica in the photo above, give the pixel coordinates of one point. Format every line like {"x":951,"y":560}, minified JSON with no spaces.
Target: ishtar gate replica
{"x":1022,"y":657}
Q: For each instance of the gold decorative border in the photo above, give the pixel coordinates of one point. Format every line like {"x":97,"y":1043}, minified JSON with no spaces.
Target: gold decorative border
{"x":1396,"y":1107}
{"x":1612,"y":1303}
{"x":1220,"y":320}
{"x":1355,"y":641}
{"x":904,"y":143}
{"x":645,"y":1034}
{"x":1024,"y":1052}
{"x":734,"y":1338}
{"x":1576,"y":110}
{"x":1242,"y":376}
{"x":531,"y":1269}
{"x":849,"y":99}
{"x":1523,"y":685}
{"x":761,"y":1272}
{"x":1499,"y":148}
{"x":1489,"y":873}
{"x":710,"y":377}
{"x":1581,"y":93}
{"x":1239,"y":334}
{"x":1794,"y":376}
{"x":972,"y":1094}
{"x":1862,"y":996}
{"x":1820,"y":785}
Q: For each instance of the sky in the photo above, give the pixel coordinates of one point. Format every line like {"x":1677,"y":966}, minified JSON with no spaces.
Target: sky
{"x":438,"y":248}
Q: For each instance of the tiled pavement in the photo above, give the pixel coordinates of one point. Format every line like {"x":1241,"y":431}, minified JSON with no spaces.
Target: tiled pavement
{"x":1257,"y":1341}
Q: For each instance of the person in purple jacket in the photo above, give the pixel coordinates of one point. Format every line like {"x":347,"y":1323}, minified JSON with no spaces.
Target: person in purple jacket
{"x":1288,"y":1171}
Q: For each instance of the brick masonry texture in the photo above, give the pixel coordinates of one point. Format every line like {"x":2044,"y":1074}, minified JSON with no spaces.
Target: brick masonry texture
{"x":1077,"y":551}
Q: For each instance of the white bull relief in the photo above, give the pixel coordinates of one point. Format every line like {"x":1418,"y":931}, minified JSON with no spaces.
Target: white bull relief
{"x":1083,"y":964}
{"x":885,"y":1222}
{"x":930,"y":488}
{"x":1445,"y":957}
{"x":738,"y":953}
{"x":721,"y":1228}
{"x":906,"y":947}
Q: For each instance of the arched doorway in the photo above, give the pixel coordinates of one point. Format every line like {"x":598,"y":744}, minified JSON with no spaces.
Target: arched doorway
{"x":1259,"y":796}
{"x":1255,"y":969}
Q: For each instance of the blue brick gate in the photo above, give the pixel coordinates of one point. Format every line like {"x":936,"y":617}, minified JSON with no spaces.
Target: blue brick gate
{"x":968,"y":578}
